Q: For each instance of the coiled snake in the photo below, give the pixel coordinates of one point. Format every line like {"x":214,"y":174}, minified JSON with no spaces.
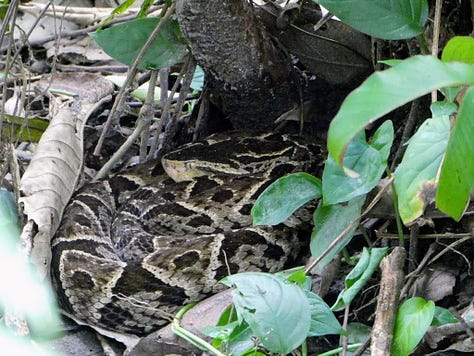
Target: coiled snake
{"x":134,"y":248}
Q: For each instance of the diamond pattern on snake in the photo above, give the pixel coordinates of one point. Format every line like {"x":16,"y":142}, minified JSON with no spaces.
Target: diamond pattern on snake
{"x":134,"y":248}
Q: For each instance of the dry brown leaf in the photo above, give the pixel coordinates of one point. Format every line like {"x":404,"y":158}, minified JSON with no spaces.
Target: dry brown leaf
{"x":434,"y":284}
{"x":51,"y":177}
{"x":337,"y":53}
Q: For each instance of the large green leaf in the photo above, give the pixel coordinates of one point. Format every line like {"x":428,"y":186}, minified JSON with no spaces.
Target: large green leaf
{"x":387,"y":19}
{"x":416,"y":176}
{"x":278,"y":312}
{"x":124,"y":41}
{"x":384,"y":91}
{"x":329,"y":222}
{"x":413,"y":320}
{"x":360,"y":274}
{"x":457,"y":172}
{"x":283,"y":197}
{"x":367,"y":160}
{"x":323,"y":321}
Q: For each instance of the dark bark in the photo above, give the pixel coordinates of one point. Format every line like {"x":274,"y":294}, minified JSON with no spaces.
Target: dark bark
{"x":249,"y":78}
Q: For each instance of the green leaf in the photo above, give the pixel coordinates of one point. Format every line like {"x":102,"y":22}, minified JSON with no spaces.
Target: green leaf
{"x":283,"y":197}
{"x":450,"y":93}
{"x":386,"y":90}
{"x":413,"y":320}
{"x":456,"y":179}
{"x":298,"y":277}
{"x":323,"y":321}
{"x":198,"y":79}
{"x":390,"y":62}
{"x":443,"y":108}
{"x":124,"y":41}
{"x":278,"y":312}
{"x":443,"y":316}
{"x":120,"y":9}
{"x":357,"y":333}
{"x":367,"y":160}
{"x":253,"y":352}
{"x":329,"y":222}
{"x":144,"y":7}
{"x":416,"y":176}
{"x":17,"y":128}
{"x":360,"y":274}
{"x":386,"y":19}
{"x":222,"y":332}
{"x":235,"y":337}
{"x":459,"y":49}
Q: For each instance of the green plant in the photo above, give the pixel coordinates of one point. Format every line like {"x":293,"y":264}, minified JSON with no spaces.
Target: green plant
{"x":433,"y":168}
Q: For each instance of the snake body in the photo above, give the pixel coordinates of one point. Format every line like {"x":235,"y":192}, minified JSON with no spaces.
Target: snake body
{"x":134,"y":248}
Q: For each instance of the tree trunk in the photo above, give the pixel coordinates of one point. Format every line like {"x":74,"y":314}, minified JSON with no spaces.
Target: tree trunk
{"x":249,"y":78}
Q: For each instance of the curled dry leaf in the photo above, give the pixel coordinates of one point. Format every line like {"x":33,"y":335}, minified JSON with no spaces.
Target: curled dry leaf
{"x":51,"y":177}
{"x":434,"y":284}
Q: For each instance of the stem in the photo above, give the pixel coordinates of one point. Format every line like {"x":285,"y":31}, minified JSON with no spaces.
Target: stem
{"x":115,"y":112}
{"x":352,"y":347}
{"x":347,"y":257}
{"x":401,"y":239}
{"x":344,"y":327}
{"x":423,"y":45}
{"x":304,"y":349}
{"x":341,"y":236}
{"x":435,"y":45}
{"x":190,"y":337}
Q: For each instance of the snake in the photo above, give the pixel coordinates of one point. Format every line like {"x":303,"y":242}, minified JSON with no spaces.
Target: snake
{"x":134,"y":248}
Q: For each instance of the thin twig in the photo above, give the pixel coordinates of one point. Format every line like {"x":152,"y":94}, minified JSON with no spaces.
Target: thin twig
{"x":410,"y":124}
{"x":450,"y":247}
{"x":114,"y":113}
{"x":451,"y":236}
{"x":165,"y":115}
{"x":30,"y":31}
{"x":202,"y":113}
{"x":413,"y":248}
{"x":121,"y":150}
{"x":411,"y":277}
{"x":362,"y":347}
{"x":341,"y":236}
{"x":147,"y":114}
{"x":170,"y":129}
{"x":165,"y":103}
{"x":10,"y":20}
{"x":344,"y":342}
{"x":435,"y":45}
{"x":82,"y":31}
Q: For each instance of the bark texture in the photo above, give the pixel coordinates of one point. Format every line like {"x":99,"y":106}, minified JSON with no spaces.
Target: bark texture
{"x":249,"y":78}
{"x":387,"y":304}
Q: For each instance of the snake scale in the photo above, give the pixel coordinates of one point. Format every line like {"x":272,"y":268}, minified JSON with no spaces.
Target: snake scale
{"x":134,"y":248}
